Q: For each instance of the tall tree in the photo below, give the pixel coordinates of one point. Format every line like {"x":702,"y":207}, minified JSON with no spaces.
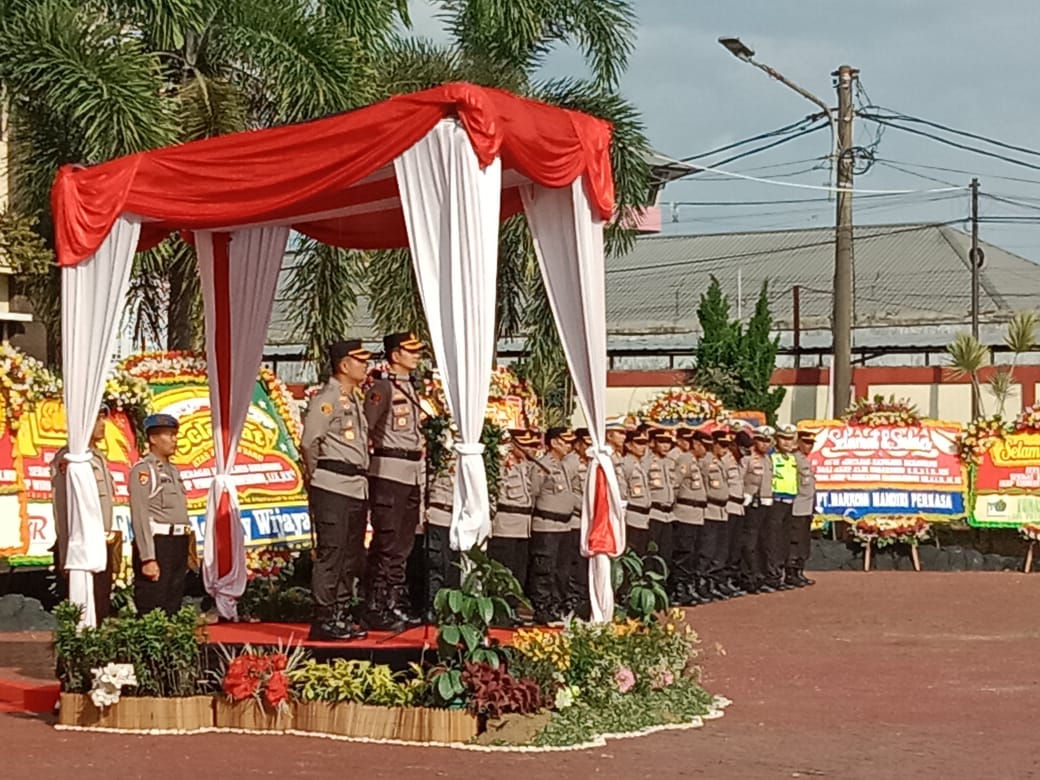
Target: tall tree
{"x":734,"y":362}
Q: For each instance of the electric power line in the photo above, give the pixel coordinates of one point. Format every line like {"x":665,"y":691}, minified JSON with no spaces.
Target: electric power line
{"x":791,"y":128}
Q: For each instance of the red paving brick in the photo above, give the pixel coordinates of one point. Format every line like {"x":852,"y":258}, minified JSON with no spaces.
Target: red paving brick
{"x":880,"y":675}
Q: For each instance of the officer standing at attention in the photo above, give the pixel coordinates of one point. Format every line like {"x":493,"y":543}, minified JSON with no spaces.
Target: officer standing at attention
{"x":635,"y":490}
{"x":758,"y":498}
{"x":159,"y":517}
{"x":335,"y":456}
{"x":714,"y":480}
{"x":59,"y":500}
{"x":785,"y":489}
{"x":661,"y":472}
{"x":396,"y":475}
{"x":552,"y":482}
{"x":802,"y":513}
{"x":574,"y":568}
{"x":511,"y":525}
{"x":691,"y":499}
{"x":441,"y":566}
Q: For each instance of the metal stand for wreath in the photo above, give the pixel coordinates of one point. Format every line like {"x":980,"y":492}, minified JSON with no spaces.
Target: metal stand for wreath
{"x":1029,"y":557}
{"x":868,"y":552}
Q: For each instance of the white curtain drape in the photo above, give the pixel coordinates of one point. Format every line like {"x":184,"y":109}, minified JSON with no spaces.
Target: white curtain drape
{"x":451,"y":209}
{"x":93,"y":297}
{"x":239,"y":274}
{"x":568,"y":239}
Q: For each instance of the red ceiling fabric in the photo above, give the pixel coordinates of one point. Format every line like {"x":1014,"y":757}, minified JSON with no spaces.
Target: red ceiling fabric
{"x":285,"y":174}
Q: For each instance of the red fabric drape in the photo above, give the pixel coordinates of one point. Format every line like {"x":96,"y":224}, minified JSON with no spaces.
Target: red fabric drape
{"x":287,"y":174}
{"x":222,"y":341}
{"x":601,"y":531}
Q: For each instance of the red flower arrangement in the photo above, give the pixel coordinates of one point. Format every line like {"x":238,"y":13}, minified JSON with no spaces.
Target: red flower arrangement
{"x":885,"y":530}
{"x":260,"y":675}
{"x":879,"y":411}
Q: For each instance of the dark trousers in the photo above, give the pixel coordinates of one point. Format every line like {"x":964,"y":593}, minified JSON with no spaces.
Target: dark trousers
{"x":102,"y":585}
{"x":442,"y":570}
{"x":776,"y":543}
{"x":574,"y":568}
{"x":339,"y":522}
{"x":395,"y":516}
{"x":661,"y":536}
{"x":637,"y":540}
{"x":752,"y":553}
{"x":543,"y":586}
{"x":167,"y":592}
{"x":735,"y":540}
{"x":713,"y":548}
{"x":511,"y":553}
{"x":799,"y":541}
{"x":684,"y":556}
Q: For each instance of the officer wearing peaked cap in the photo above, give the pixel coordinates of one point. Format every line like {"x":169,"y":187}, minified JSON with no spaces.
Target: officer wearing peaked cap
{"x":335,"y":455}
{"x":758,"y":500}
{"x":159,"y":518}
{"x":511,"y":525}
{"x":396,"y":476}
{"x":552,"y":486}
{"x":802,"y":509}
{"x":785,"y":490}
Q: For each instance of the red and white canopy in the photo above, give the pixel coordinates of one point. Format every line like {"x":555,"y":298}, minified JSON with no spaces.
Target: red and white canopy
{"x":435,"y":171}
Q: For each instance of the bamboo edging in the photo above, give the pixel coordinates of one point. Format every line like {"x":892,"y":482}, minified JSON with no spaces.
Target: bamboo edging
{"x":188,"y":713}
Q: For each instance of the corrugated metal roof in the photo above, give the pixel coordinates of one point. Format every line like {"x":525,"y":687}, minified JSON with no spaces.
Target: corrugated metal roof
{"x":906,"y":276}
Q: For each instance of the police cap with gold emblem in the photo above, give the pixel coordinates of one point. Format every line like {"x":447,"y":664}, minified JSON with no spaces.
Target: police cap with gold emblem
{"x":348,"y":348}
{"x":157,"y":421}
{"x":407,"y":341}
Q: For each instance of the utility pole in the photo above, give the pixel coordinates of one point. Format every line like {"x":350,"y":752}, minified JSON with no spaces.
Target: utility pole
{"x":841,"y":321}
{"x":975,"y":258}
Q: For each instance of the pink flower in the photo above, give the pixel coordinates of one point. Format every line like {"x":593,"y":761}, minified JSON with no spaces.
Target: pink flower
{"x":624,"y":679}
{"x":664,"y":679}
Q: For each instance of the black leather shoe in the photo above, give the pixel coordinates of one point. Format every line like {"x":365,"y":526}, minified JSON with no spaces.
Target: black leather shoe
{"x":765,"y":587}
{"x":805,"y":580}
{"x":383,"y":621}
{"x":331,"y":632}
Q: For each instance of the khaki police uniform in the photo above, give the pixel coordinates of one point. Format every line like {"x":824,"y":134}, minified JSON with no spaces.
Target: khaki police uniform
{"x":396,"y":476}
{"x":714,"y":539}
{"x":552,"y":485}
{"x":735,"y":510}
{"x":785,"y":489}
{"x":162,"y":531}
{"x":574,"y":568}
{"x":59,"y":503}
{"x":511,"y":526}
{"x":335,"y":454}
{"x":758,"y":540}
{"x":691,"y":499}
{"x":441,"y":570}
{"x":636,"y":492}
{"x":802,"y":510}
{"x":660,"y":473}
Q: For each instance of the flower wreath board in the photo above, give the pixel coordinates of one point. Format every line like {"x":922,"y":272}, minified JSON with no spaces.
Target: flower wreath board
{"x":1005,"y":470}
{"x":872,"y":467}
{"x":33,"y":428}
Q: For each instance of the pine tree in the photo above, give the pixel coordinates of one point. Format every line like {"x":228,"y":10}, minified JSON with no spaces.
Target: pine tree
{"x":733,"y":363}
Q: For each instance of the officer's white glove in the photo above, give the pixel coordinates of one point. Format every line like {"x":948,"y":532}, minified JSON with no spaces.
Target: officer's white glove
{"x":748,"y":499}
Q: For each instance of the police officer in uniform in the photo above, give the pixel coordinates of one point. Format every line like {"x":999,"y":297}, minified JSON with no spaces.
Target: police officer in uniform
{"x":758,"y":499}
{"x":691,"y":498}
{"x":59,"y":502}
{"x":552,"y":485}
{"x":802,"y":513}
{"x":574,"y":568}
{"x":713,"y":533}
{"x":159,"y":517}
{"x":442,"y":569}
{"x":511,"y":525}
{"x":733,"y":463}
{"x":785,"y":489}
{"x":661,"y":473}
{"x":396,"y":475}
{"x":335,"y":456}
{"x":635,"y":489}
{"x":722,"y":461}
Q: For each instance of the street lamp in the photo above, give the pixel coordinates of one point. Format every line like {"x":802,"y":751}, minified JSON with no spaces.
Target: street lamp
{"x":841,"y":170}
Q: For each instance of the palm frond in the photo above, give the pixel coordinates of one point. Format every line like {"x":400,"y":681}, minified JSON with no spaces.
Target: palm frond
{"x":1021,"y":332}
{"x":966,"y":355}
{"x":393,"y":294}
{"x":210,"y":106}
{"x":322,"y":293}
{"x":606,"y":32}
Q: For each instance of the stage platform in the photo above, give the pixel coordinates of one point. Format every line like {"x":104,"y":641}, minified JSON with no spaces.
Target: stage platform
{"x":382,"y":647}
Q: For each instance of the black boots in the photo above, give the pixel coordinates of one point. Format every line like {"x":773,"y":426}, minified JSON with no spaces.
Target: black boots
{"x":338,"y":627}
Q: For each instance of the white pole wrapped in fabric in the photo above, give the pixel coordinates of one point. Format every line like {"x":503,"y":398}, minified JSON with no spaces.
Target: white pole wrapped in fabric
{"x":239,"y":274}
{"x":93,"y":295}
{"x":568,"y":239}
{"x":451,"y":209}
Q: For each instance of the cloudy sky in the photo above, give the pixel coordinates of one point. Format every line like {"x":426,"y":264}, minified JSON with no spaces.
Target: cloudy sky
{"x":960,"y":63}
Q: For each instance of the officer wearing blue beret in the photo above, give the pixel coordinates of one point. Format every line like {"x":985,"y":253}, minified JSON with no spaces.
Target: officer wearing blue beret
{"x":159,"y":517}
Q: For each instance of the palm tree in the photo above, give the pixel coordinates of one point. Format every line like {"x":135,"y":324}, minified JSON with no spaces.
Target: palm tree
{"x":967,"y":357}
{"x":89,"y":81}
{"x":502,"y":45}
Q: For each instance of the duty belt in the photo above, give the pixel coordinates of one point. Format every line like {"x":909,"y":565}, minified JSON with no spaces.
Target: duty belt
{"x":784,"y":499}
{"x":383,"y":452}
{"x":443,"y":507}
{"x":339,"y":467}
{"x":692,"y":502}
{"x":662,"y":507}
{"x":637,"y":510}
{"x":737,"y":499}
{"x":169,"y":529}
{"x":717,"y":501}
{"x":556,"y":517}
{"x":513,"y":509}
